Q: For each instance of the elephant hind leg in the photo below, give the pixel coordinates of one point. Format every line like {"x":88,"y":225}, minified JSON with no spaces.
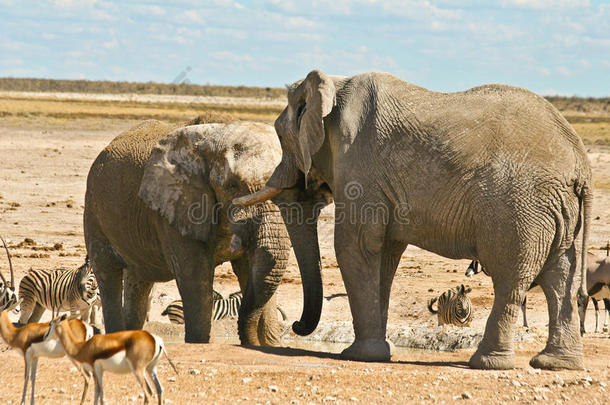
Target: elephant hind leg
{"x":560,"y":281}
{"x":511,"y":281}
{"x":136,"y":293}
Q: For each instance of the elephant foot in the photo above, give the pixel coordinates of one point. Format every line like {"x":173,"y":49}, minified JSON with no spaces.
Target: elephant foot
{"x":550,"y":361}
{"x":492,"y":360}
{"x":196,"y":338}
{"x":368,"y":350}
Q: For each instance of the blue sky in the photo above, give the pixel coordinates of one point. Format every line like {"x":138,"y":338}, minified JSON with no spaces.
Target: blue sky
{"x":549,"y":46}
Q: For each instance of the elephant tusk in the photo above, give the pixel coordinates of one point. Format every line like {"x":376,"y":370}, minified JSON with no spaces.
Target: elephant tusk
{"x":261,"y":195}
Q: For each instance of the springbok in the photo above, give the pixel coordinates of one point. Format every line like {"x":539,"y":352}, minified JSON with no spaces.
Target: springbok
{"x":30,"y":340}
{"x":120,"y":352}
{"x":8,"y":297}
{"x":598,"y":288}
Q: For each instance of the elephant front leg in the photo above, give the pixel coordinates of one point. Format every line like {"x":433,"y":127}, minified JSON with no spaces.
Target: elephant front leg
{"x":197,"y":303}
{"x":359,"y":258}
{"x":195,"y":276}
{"x":109,"y":274}
{"x":560,"y":281}
{"x":136,"y":292}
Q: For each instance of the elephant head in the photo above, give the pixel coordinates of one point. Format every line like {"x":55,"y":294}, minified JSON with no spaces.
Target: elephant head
{"x":191,"y":178}
{"x":300,"y":190}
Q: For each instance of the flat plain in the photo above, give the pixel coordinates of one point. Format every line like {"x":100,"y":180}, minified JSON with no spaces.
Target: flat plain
{"x":47,"y":144}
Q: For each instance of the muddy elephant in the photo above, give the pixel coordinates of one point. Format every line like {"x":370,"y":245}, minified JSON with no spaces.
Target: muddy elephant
{"x":158,"y":207}
{"x":494,"y":173}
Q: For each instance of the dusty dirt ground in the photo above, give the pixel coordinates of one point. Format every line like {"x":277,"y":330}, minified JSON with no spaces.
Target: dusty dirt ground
{"x":43,"y":169}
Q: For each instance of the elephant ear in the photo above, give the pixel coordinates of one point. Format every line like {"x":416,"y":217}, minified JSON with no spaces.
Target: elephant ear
{"x":175,"y":183}
{"x":319,"y":93}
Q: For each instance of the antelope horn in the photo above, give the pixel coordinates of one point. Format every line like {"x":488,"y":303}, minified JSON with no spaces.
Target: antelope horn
{"x":261,"y":195}
{"x":10,"y":264}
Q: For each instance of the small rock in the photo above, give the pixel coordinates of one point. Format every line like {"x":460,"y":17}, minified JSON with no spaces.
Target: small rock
{"x":353,"y":399}
{"x":246,"y":380}
{"x":329,"y":398}
{"x":466,"y":395}
{"x":515,"y":383}
{"x":194,"y":371}
{"x":167,"y":401}
{"x":171,"y":379}
{"x":273,"y":388}
{"x":565,"y":397}
{"x":533,"y":371}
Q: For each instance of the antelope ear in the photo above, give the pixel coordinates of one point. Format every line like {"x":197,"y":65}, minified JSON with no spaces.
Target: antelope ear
{"x":175,"y":183}
{"x":319,"y":92}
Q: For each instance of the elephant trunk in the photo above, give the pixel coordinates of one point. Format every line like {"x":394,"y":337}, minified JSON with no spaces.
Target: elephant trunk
{"x":302,"y":224}
{"x":268,"y":264}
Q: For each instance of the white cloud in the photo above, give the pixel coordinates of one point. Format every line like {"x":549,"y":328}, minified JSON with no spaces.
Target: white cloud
{"x":112,"y":44}
{"x":227,"y":56}
{"x":151,"y":9}
{"x":73,"y":3}
{"x":299,"y":22}
{"x":564,"y":71}
{"x":103,"y":15}
{"x":546,"y":4}
{"x":193,"y":16}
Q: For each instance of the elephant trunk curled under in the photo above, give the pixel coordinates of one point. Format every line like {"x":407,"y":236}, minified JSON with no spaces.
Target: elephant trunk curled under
{"x":268,"y":263}
{"x":302,"y":224}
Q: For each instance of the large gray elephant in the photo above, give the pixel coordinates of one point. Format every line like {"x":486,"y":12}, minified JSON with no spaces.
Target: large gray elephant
{"x":494,"y":173}
{"x":158,"y":207}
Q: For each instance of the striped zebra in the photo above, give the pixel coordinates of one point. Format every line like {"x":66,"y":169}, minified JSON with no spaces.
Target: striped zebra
{"x":454,"y":307}
{"x":57,"y":290}
{"x":223,"y":308}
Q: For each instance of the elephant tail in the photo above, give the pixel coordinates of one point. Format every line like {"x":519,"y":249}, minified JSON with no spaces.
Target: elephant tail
{"x":430,"y":304}
{"x":586,"y":198}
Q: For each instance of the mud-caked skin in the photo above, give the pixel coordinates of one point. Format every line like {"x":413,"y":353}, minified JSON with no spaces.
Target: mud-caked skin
{"x":494,"y":174}
{"x":158,"y":207}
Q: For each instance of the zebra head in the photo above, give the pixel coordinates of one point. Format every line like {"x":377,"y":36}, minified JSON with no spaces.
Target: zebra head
{"x":87,"y":283}
{"x":463,"y":306}
{"x":8,"y":296}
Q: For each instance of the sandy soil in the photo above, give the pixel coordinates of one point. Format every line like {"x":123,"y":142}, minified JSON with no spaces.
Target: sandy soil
{"x":43,"y":168}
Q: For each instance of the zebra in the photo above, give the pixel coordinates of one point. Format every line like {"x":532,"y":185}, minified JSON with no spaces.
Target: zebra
{"x":223,"y":308}
{"x":8,"y":297}
{"x":57,"y":290}
{"x":454,"y":307}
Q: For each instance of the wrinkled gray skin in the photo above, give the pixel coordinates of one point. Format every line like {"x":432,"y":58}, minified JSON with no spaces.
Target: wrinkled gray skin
{"x":157,"y":207}
{"x":494,"y":173}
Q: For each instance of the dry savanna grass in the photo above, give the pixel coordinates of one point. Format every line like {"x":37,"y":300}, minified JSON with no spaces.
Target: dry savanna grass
{"x":590,"y":117}
{"x":173,"y":112}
